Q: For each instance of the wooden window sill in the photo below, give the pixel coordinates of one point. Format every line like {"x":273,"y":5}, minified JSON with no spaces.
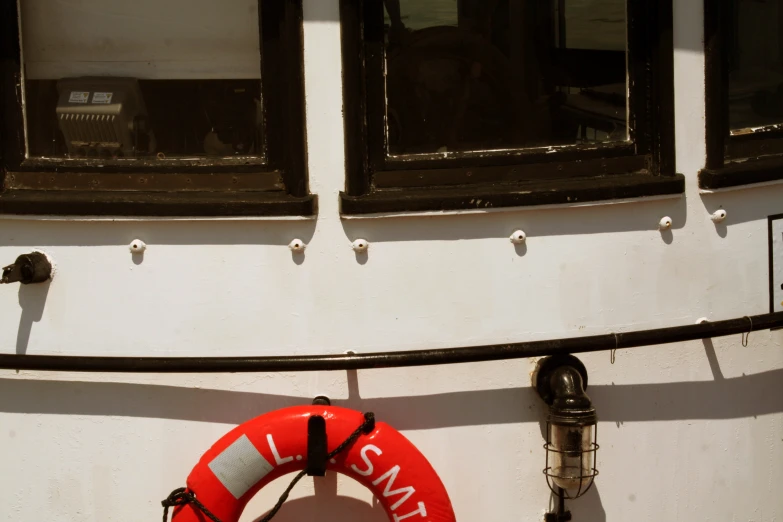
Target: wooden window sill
{"x":491,"y":195}
{"x":738,"y":174}
{"x":155,"y":204}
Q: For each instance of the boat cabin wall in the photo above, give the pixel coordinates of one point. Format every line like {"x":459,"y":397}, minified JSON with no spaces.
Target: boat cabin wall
{"x":687,"y":431}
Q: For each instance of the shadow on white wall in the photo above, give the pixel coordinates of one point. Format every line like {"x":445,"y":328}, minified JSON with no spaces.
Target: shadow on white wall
{"x":32,"y":300}
{"x":733,"y":398}
{"x":327,"y":506}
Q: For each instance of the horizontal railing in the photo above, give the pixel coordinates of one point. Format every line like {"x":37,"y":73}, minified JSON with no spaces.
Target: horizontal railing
{"x":350,"y":361}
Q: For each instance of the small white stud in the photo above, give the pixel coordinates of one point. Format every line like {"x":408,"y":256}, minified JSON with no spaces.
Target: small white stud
{"x":297,"y":245}
{"x":665,"y":223}
{"x":718,"y":216}
{"x":518,"y":237}
{"x":360,"y":245}
{"x":137,"y":246}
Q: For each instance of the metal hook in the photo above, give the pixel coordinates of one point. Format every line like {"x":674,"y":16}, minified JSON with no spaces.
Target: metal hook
{"x":746,"y":335}
{"x":613,"y":352}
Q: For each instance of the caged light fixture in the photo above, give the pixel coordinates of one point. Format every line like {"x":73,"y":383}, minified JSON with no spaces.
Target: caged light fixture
{"x":571,"y":431}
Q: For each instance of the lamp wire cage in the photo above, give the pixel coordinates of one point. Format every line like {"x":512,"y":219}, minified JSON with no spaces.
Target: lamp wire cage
{"x":586,"y":476}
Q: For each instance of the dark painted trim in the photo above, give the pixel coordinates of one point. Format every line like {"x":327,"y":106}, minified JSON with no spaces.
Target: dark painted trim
{"x":282,"y":48}
{"x":716,"y":81}
{"x":588,"y":168}
{"x":281,"y":33}
{"x":742,"y":173}
{"x":11,"y":118}
{"x":354,"y":96}
{"x":373,"y":41}
{"x":755,"y":158}
{"x":755,"y":146}
{"x":144,"y":182}
{"x":640,"y":46}
{"x":661,"y":71}
{"x":488,"y":196}
{"x":155,"y":204}
{"x":341,"y":362}
{"x":372,"y":175}
{"x":541,"y":156}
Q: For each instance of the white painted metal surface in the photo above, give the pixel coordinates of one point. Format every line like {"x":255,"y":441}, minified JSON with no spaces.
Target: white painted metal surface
{"x":776,"y":233}
{"x":690,"y":431}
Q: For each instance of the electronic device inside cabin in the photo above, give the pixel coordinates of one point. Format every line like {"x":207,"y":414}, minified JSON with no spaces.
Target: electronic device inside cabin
{"x":103,"y":117}
{"x":161,"y":89}
{"x":115,"y":117}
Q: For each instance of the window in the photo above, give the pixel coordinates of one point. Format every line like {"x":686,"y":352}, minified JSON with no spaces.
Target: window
{"x":744,"y":92}
{"x":463,"y":104}
{"x":153,"y":107}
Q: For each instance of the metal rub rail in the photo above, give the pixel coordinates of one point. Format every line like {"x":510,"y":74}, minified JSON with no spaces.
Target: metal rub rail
{"x":307,"y":363}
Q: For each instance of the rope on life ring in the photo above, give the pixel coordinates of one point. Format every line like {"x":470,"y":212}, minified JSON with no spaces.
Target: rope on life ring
{"x":257,"y":452}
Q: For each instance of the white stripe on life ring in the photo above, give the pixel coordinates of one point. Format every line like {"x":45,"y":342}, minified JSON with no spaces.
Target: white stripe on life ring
{"x":240,"y":466}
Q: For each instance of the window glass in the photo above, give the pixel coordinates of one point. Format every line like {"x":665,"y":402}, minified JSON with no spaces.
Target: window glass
{"x":755,"y":64}
{"x":594,"y":24}
{"x":152,"y":79}
{"x":498,"y":74}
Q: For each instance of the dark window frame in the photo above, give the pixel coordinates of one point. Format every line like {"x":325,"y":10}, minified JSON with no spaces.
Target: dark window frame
{"x":276,"y":186}
{"x":731,"y":160}
{"x":643,"y":166}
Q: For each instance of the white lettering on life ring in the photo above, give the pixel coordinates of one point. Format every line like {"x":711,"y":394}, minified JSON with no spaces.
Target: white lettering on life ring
{"x":366,"y":459}
{"x":421,"y":511}
{"x":275,"y":454}
{"x":407,"y":491}
{"x":387,"y":491}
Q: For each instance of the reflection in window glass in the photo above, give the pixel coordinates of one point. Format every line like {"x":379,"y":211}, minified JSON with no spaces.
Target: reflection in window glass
{"x":756,"y":64}
{"x":497,"y":74}
{"x":594,"y":25}
{"x":157,"y":79}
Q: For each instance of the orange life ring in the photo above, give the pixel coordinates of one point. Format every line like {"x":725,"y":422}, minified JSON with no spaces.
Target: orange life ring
{"x":272,"y":445}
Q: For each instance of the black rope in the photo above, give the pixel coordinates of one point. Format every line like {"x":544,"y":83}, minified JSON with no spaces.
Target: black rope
{"x":366,"y":427}
{"x":181,"y":496}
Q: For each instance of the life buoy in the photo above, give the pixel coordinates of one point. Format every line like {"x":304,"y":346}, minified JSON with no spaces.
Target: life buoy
{"x":257,"y":452}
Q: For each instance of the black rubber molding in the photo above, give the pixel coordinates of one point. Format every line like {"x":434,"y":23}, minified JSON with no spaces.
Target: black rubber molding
{"x":307,"y":363}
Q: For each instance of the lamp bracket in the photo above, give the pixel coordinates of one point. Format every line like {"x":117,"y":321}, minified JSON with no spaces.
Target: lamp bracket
{"x":544,"y":370}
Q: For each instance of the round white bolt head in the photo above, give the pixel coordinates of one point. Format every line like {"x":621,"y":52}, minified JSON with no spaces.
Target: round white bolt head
{"x":718,"y":216}
{"x":137,"y":246}
{"x":518,"y":237}
{"x":297,"y":245}
{"x":665,"y":223}
{"x":360,"y":245}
